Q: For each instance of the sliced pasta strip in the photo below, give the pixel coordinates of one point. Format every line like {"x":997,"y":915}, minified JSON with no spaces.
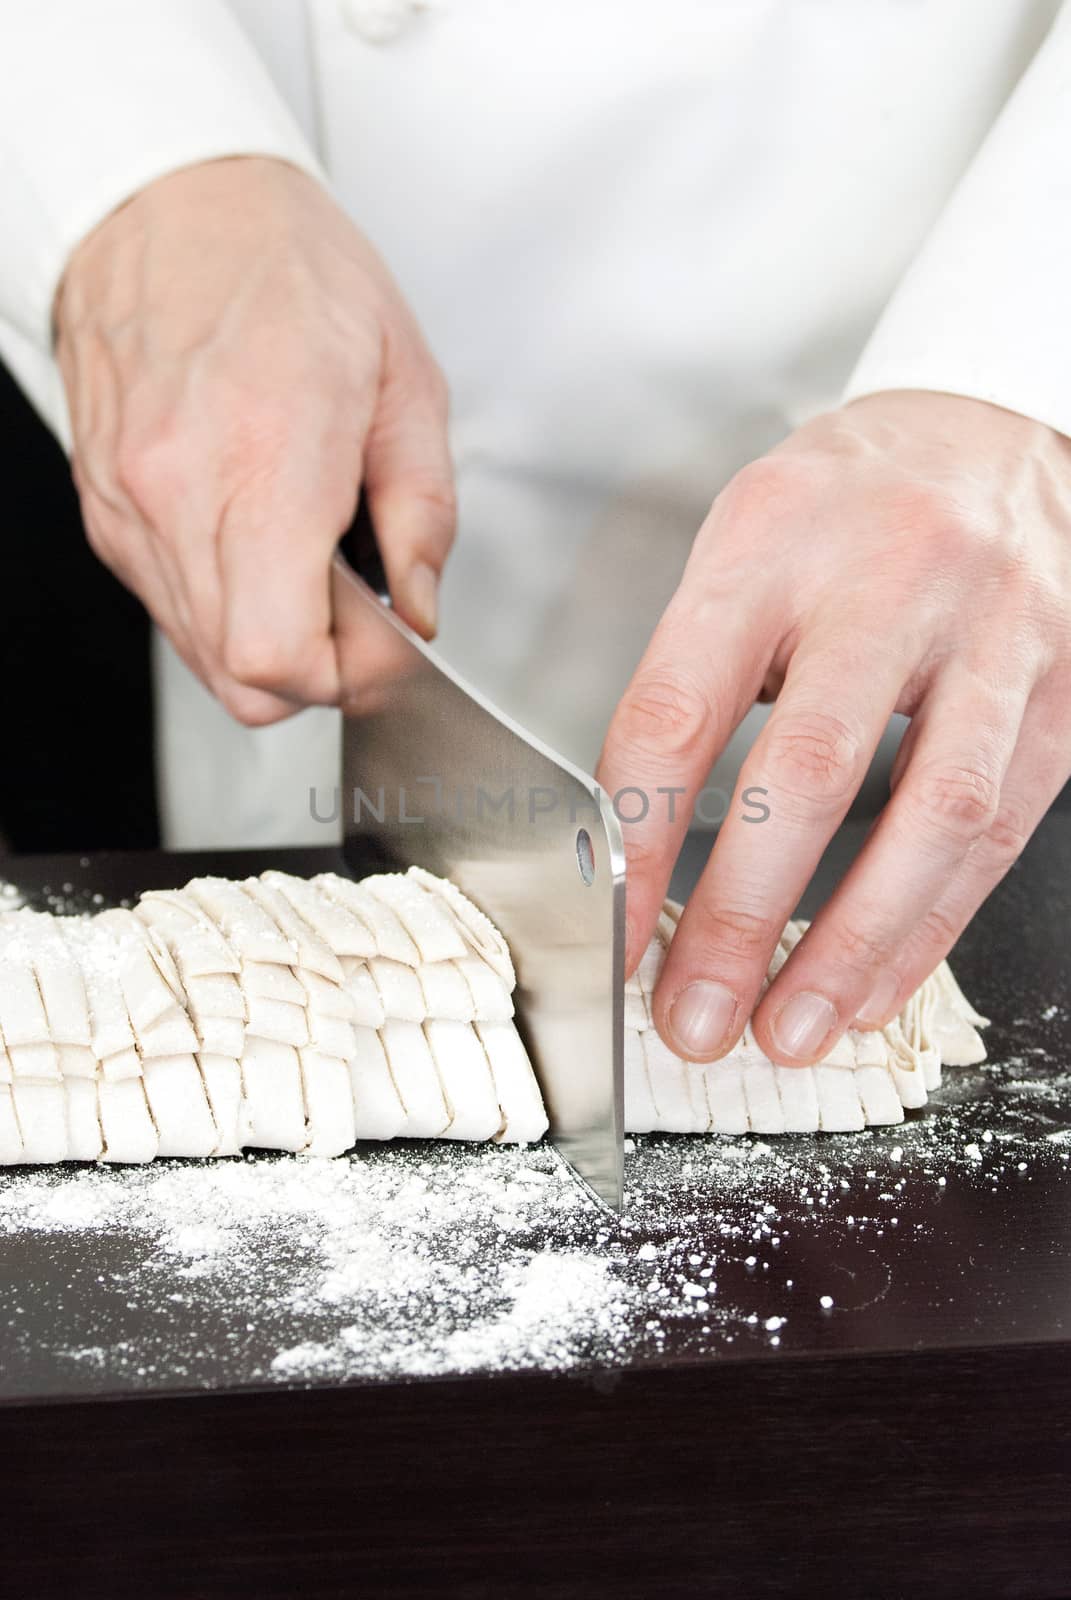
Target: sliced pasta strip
{"x":798,"y":1094}
{"x":96,"y":950}
{"x":492,"y":1000}
{"x":765,"y":1113}
{"x":36,"y":1061}
{"x":218,"y":995}
{"x":478,"y":931}
{"x":277,"y":1020}
{"x":76,"y":1061}
{"x":246,"y":926}
{"x":340,"y":928}
{"x":22,"y":1011}
{"x":877,"y":1092}
{"x":446,"y":992}
{"x":269,"y":981}
{"x":416,"y":1080}
{"x":399,"y":990}
{"x":425,"y":919}
{"x":41,"y":1110}
{"x":367,"y":1001}
{"x":170,"y":1035}
{"x":147,"y":994}
{"x":85,"y":1141}
{"x":221,"y":1036}
{"x":640,"y":1109}
{"x":378,"y":1112}
{"x":467,"y":1084}
{"x":523,"y":1113}
{"x":328,"y":1103}
{"x":331,"y":1036}
{"x":11,"y":1146}
{"x":222,"y":1078}
{"x":120,"y":1066}
{"x":310,"y":951}
{"x":179,"y":1106}
{"x":272,"y":1091}
{"x":61,"y":986}
{"x":128,"y":1129}
{"x":679,"y":1108}
{"x":389,"y":936}
{"x":839,"y":1105}
{"x":726,"y":1099}
{"x":196,"y":944}
{"x":329,"y":999}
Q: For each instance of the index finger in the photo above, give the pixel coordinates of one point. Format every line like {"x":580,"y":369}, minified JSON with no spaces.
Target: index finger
{"x":699,"y":676}
{"x":369,"y":650}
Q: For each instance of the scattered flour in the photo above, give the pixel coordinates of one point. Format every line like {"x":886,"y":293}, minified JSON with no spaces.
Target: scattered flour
{"x":412,"y":1260}
{"x":415,"y":1260}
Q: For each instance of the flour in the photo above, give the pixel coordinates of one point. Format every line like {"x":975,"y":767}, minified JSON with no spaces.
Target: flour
{"x":415,"y":1261}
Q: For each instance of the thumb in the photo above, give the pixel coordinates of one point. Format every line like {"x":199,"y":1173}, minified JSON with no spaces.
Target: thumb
{"x":409,"y":481}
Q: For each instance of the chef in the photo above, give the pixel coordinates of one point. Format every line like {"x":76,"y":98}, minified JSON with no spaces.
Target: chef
{"x":751,"y":319}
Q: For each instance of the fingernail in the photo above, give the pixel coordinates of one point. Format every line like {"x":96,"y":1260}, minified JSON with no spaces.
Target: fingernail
{"x":879,"y":1002}
{"x":802,"y":1024}
{"x":701,"y":1016}
{"x":422,"y":592}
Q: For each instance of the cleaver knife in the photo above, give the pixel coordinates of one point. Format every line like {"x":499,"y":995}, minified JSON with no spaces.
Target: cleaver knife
{"x":434,"y":775}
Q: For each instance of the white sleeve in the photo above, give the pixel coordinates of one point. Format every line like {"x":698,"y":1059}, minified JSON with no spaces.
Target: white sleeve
{"x":983,"y":309}
{"x":97,"y":99}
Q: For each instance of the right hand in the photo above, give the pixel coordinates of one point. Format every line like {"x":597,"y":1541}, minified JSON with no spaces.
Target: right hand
{"x":237,"y":362}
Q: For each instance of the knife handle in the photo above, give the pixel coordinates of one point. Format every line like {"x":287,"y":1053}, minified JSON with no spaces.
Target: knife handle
{"x":360,"y":547}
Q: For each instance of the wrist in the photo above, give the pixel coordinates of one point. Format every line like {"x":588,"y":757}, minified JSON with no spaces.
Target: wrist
{"x":205,"y":197}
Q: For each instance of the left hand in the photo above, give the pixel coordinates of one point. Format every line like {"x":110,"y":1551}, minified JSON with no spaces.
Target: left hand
{"x":910,"y":552}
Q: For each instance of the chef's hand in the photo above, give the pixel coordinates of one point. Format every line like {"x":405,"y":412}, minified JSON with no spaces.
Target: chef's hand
{"x":236,"y":358}
{"x":909,"y":552}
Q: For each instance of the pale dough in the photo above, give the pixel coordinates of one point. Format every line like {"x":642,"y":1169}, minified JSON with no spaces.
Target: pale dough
{"x":868,"y":1080}
{"x":303,"y":1015}
{"x":274,"y":1013}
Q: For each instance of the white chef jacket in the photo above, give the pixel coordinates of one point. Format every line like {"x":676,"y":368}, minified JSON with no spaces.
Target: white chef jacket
{"x":644,"y":241}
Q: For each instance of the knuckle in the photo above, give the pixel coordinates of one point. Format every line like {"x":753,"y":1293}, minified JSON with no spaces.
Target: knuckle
{"x":423,"y":505}
{"x":247,"y":706}
{"x":257,"y":663}
{"x":437,"y":499}
{"x":665,"y":712}
{"x":1008,"y":833}
{"x":763,"y":489}
{"x":816,"y":758}
{"x":857,"y":948}
{"x":722,"y":931}
{"x":98,"y":535}
{"x":958,"y":804}
{"x":914,"y":507}
{"x":104,"y":532}
{"x":936,"y":931}
{"x":642,"y":855}
{"x":149,"y":470}
{"x":261,"y":428}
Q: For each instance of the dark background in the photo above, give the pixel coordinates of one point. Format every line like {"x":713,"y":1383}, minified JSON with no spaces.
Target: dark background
{"x":76,"y":769}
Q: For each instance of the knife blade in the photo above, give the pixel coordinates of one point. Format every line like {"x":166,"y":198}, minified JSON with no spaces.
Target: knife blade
{"x":433,"y":774}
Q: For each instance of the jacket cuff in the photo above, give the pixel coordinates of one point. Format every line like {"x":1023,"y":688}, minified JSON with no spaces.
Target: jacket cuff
{"x":100,"y":100}
{"x":983,"y":310}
